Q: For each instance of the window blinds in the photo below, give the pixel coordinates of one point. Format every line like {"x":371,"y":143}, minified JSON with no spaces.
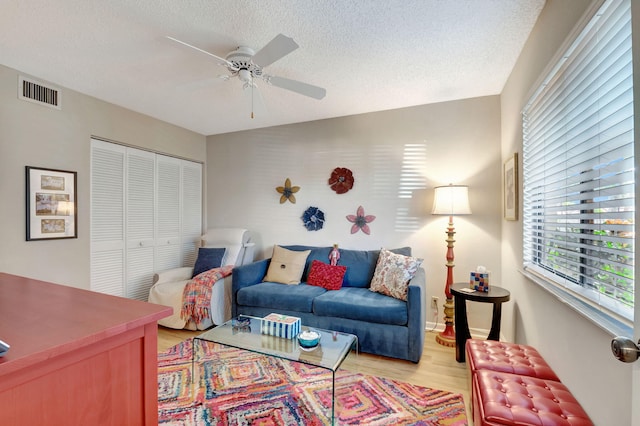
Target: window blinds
{"x":579,"y":169}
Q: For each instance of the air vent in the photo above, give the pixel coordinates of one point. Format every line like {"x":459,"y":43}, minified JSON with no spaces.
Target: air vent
{"x":35,"y":91}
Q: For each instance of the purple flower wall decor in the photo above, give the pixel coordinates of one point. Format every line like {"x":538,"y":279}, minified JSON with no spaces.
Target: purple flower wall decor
{"x":313,"y":219}
{"x":360,"y":221}
{"x":341,"y":180}
{"x":287,"y":192}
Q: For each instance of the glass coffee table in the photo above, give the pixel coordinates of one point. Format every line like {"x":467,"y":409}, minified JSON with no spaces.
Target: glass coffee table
{"x":244,"y":333}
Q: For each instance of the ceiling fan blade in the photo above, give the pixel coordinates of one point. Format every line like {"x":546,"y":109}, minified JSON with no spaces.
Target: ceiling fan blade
{"x":277,"y":48}
{"x":220,"y":60}
{"x":298,"y":87}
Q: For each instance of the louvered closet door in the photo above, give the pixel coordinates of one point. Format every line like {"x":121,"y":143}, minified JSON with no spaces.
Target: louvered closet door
{"x":140,"y":219}
{"x":107,"y":218}
{"x":168,"y":212}
{"x":191,"y":211}
{"x":146,"y":217}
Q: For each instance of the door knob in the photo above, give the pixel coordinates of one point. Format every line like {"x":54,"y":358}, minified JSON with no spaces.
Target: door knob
{"x":624,"y":349}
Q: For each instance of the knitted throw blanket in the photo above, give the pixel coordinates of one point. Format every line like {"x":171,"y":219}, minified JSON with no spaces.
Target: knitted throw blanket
{"x":196,"y":298}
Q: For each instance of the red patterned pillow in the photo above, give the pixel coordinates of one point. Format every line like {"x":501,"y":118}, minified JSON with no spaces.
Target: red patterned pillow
{"x":325,"y":275}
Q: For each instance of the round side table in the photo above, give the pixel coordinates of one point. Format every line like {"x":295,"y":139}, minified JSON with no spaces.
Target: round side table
{"x":496,"y":295}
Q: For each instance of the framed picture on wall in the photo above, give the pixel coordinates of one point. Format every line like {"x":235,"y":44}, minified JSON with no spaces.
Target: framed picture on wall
{"x":511,"y":188}
{"x":50,"y":204}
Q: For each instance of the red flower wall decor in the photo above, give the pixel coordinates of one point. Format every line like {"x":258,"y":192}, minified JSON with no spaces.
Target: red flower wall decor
{"x":341,"y":180}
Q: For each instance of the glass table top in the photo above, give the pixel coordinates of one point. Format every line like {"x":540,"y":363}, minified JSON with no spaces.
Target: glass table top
{"x":329,"y":353}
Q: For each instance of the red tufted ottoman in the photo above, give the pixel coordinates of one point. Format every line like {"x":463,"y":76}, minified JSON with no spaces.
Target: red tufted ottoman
{"x":507,"y":357}
{"x":510,"y":399}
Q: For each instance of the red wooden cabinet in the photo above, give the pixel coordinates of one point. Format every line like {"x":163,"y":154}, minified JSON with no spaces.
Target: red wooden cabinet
{"x":77,"y":357}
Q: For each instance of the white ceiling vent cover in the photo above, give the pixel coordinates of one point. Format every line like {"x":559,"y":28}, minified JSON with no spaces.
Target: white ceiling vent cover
{"x":35,"y":91}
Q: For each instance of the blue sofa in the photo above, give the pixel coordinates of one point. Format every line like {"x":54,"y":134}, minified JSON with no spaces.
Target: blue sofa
{"x":384,"y":325}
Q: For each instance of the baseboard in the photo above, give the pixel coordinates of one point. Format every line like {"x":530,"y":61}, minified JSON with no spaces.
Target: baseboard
{"x":476,"y":333}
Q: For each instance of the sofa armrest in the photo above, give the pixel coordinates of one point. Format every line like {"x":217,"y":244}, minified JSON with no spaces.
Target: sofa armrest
{"x":245,"y":276}
{"x":172,"y":275}
{"x":417,"y":312}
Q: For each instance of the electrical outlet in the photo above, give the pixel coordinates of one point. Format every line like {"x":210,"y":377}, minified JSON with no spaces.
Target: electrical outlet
{"x":434,"y":302}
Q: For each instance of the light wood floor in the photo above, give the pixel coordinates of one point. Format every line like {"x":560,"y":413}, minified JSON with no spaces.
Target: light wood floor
{"x":437,"y":368}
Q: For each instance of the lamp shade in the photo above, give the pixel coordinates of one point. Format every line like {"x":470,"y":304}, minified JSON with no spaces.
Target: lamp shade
{"x":451,"y":200}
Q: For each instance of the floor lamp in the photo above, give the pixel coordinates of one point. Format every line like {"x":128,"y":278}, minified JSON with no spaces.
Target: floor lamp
{"x":450,"y":200}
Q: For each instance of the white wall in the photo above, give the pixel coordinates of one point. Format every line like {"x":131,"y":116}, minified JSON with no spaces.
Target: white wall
{"x":34,"y":135}
{"x":577,"y":350}
{"x":413,"y":148}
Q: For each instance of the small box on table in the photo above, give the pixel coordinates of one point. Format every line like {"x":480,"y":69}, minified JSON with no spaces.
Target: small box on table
{"x":479,"y":281}
{"x":280,"y":326}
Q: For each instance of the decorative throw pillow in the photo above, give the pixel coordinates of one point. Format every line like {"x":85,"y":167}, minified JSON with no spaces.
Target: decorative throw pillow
{"x":208,"y":258}
{"x":393,"y":273}
{"x":325,"y":275}
{"x":286,"y":266}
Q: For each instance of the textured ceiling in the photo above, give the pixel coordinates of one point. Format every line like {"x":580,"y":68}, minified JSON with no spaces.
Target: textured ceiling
{"x":370,"y":55}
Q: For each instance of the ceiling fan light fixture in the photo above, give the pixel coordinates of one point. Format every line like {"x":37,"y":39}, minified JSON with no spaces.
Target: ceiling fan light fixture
{"x":245,"y":76}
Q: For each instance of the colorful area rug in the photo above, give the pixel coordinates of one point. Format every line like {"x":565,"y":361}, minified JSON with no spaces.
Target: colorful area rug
{"x":235,"y":387}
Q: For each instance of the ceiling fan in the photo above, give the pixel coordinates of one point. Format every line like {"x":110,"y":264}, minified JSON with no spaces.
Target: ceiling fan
{"x":247,"y":65}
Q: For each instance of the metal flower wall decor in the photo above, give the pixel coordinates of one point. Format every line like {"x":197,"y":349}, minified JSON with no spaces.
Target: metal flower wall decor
{"x":341,"y":180}
{"x":287,"y":192}
{"x":360,"y":221}
{"x":313,"y":219}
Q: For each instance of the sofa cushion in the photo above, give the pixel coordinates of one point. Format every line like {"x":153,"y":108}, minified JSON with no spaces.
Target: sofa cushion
{"x":286,"y":266}
{"x":362,"y":305}
{"x":361,"y":264}
{"x":280,"y":297}
{"x":316,"y":253}
{"x":325,"y":275}
{"x":393,"y":273}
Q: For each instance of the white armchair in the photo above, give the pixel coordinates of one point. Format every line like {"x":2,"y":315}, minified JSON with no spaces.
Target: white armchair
{"x":168,"y":286}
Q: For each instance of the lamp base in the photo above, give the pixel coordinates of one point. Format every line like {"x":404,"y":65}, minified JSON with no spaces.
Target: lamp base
{"x":447,"y":337}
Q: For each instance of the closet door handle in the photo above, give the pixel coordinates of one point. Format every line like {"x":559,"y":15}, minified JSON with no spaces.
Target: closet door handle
{"x":624,"y":349}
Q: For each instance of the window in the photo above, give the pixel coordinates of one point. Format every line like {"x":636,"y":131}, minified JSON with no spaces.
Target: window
{"x":578,"y":168}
